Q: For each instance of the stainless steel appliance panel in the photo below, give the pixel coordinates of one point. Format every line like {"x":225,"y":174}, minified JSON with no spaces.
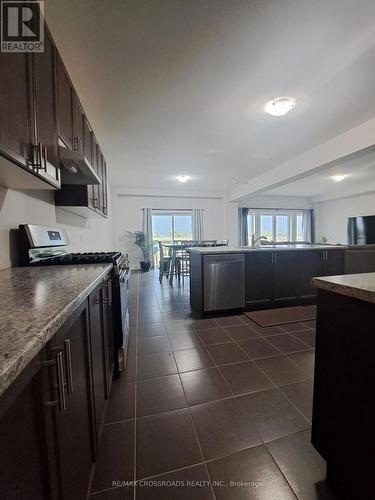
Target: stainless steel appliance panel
{"x":224,"y":282}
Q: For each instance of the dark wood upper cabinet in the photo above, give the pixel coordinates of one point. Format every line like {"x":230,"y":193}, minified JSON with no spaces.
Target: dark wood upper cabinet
{"x":15,"y":125}
{"x":78,"y":124}
{"x":65,"y":105}
{"x":87,"y":141}
{"x":44,"y":104}
{"x":105,"y":187}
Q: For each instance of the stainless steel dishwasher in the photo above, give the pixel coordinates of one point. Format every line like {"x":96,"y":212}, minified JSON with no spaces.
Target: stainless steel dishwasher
{"x":224,"y":282}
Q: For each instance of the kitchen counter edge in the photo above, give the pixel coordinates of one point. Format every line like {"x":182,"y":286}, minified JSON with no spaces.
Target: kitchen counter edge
{"x":27,"y":344}
{"x":357,"y":286}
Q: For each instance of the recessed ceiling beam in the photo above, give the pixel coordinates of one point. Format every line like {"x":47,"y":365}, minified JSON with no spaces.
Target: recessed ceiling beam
{"x":346,"y":145}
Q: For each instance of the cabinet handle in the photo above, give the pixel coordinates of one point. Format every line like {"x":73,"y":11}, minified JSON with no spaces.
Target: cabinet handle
{"x":77,"y":143}
{"x":94,"y":202}
{"x":109,"y":289}
{"x":45,"y":154}
{"x":60,"y":382}
{"x":68,"y":363}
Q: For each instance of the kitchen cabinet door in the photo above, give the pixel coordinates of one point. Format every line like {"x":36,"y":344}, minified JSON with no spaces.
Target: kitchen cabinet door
{"x":310,"y":266}
{"x":105,"y":187}
{"x":74,"y":425}
{"x":64,"y":105}
{"x":94,"y":198}
{"x":99,"y":356}
{"x":45,"y":134}
{"x":15,"y":107}
{"x":334,"y":262}
{"x":285,"y":269}
{"x":87,"y":141}
{"x":78,"y":124}
{"x":101,"y":177}
{"x":27,"y":468}
{"x":258,"y":279}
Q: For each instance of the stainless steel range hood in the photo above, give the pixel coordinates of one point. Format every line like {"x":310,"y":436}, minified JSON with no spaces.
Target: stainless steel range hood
{"x":75,"y":168}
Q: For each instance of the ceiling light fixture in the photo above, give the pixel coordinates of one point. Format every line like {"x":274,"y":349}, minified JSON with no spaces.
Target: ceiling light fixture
{"x":339,"y":177}
{"x":183,"y":178}
{"x":280,"y":106}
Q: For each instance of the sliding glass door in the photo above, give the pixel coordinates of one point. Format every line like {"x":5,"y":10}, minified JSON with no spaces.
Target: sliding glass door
{"x":171,"y":227}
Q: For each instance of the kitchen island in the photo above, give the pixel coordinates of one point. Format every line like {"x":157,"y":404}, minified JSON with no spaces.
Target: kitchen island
{"x":226,"y":278}
{"x":344,"y":402}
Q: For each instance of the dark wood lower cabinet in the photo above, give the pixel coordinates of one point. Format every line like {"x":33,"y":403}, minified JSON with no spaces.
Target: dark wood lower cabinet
{"x":74,"y":424}
{"x":50,"y":417}
{"x":281,"y":278}
{"x":285,"y":277}
{"x":258,"y":279}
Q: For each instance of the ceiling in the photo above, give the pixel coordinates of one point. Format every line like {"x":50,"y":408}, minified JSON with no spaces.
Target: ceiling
{"x":360,"y":172}
{"x":178,"y":86}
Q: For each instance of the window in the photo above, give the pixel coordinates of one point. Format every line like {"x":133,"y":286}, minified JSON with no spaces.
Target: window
{"x":172,"y":227}
{"x":279,"y":226}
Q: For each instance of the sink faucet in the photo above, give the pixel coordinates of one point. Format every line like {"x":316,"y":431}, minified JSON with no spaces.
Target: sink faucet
{"x":255,"y":240}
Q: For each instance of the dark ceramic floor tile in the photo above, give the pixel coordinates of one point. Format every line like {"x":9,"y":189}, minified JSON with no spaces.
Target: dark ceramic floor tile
{"x":122,"y":402}
{"x":150,"y":318}
{"x":254,"y":467}
{"x":152,"y":330}
{"x":214,"y":336}
{"x":148,"y":345}
{"x":310,"y":324}
{"x":287,"y":343}
{"x":272,"y":414}
{"x":266,"y":331}
{"x":130,"y":370}
{"x":223,"y":428}
{"x":224,"y":354}
{"x":244,"y":377}
{"x":116,"y":457}
{"x":229,"y":320}
{"x":301,"y":395}
{"x":166,"y":442}
{"x":176,"y":315}
{"x":302,"y":466}
{"x":258,"y":348}
{"x":120,"y":493}
{"x":156,"y":365}
{"x":186,"y":484}
{"x":202,"y":386}
{"x":306,"y":336}
{"x":293,"y":327}
{"x":161,"y":394}
{"x":281,"y":370}
{"x":304,"y":360}
{"x":178,"y":326}
{"x":204,"y":324}
{"x":241,"y":332}
{"x":194,"y":358}
{"x":184,"y":340}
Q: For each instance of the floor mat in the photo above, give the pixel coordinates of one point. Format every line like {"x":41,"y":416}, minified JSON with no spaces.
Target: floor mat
{"x":282,"y":315}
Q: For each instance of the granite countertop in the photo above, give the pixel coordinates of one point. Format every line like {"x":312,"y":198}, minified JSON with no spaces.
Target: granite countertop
{"x":358,"y":286}
{"x":271,"y":248}
{"x":34,"y":303}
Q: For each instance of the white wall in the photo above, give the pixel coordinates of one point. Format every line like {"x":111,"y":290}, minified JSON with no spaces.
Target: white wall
{"x":129,"y":213}
{"x":37,"y":207}
{"x":331,"y":216}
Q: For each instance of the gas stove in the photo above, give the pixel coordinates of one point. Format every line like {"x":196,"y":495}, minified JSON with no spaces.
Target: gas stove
{"x":48,"y":246}
{"x":80,"y":258}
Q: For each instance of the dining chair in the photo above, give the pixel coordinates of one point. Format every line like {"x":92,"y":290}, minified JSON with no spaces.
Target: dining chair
{"x":164,"y":263}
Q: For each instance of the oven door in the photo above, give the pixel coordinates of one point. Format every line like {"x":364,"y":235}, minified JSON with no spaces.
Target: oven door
{"x":124,"y":312}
